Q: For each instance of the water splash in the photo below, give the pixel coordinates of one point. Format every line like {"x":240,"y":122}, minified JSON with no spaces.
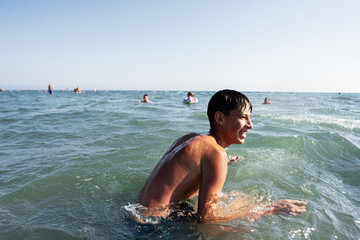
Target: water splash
{"x":224,"y":206}
{"x":135,"y":211}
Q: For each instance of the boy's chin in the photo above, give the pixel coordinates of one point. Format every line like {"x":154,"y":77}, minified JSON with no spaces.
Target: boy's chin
{"x":240,"y":141}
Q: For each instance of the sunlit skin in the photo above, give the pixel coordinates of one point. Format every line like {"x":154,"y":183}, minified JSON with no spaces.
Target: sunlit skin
{"x":197,"y":164}
{"x":232,"y":128}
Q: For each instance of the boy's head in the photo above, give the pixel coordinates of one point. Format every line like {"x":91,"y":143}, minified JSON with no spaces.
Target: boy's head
{"x":225,"y":101}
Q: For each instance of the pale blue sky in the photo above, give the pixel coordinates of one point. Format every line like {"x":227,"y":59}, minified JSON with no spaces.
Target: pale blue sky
{"x":281,"y":45}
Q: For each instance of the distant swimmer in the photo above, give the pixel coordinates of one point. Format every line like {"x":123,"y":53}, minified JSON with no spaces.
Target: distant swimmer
{"x":197,"y":164}
{"x":50,"y":88}
{"x":267,"y":100}
{"x":190,"y":98}
{"x":77,"y":90}
{"x":145,"y":99}
{"x":2,"y":90}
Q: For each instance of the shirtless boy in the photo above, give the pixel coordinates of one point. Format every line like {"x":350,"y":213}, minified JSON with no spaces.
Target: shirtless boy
{"x":197,"y":164}
{"x":146,"y":99}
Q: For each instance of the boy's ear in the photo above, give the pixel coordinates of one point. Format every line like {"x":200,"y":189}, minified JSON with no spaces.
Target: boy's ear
{"x":219,"y":118}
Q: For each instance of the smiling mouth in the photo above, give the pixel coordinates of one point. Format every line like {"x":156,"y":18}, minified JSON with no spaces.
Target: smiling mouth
{"x":243,"y":134}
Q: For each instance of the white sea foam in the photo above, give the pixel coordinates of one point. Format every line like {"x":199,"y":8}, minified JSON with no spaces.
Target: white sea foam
{"x":301,"y":232}
{"x":348,"y":123}
{"x":134,"y":209}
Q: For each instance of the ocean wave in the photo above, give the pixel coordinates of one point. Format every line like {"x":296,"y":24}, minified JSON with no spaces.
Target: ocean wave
{"x":336,"y":122}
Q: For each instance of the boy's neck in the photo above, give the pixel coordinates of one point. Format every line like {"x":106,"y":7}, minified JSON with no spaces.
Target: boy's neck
{"x":218,"y":138}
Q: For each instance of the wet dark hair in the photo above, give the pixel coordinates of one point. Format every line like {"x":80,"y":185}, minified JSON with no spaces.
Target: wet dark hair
{"x":225,"y":101}
{"x":145,"y":95}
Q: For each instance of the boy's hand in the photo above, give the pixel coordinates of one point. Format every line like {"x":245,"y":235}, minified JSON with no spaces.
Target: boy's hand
{"x":288,"y":206}
{"x":234,"y":159}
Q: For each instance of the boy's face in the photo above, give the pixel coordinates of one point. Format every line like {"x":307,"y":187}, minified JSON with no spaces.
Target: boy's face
{"x":236,"y":125}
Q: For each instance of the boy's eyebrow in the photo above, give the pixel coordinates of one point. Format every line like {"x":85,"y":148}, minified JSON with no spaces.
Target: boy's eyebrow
{"x":242,"y":113}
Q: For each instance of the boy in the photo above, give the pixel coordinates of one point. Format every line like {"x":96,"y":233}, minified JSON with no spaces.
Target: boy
{"x":197,"y":164}
{"x":146,"y":99}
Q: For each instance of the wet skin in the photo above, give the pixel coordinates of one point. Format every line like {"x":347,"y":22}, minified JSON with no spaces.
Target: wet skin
{"x":197,"y":164}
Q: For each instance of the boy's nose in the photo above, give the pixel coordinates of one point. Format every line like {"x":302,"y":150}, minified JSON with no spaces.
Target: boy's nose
{"x":249,"y":124}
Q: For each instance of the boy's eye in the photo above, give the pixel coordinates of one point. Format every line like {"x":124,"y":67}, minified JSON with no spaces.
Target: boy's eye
{"x":244,"y":116}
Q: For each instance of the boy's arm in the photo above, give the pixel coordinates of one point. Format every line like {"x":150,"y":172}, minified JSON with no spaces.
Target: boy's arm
{"x":249,"y":210}
{"x":213,"y":176}
{"x":246,"y":208}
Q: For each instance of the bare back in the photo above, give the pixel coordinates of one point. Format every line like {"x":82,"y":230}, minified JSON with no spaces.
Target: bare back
{"x":178,"y":175}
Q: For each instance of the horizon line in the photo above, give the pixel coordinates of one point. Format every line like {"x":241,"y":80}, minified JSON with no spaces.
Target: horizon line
{"x":163,"y":90}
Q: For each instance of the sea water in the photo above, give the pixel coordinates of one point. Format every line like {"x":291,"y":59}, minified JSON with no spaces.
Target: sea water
{"x":71,"y":165}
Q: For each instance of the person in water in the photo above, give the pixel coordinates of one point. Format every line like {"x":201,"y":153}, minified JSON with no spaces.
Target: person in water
{"x":190,"y":98}
{"x":50,"y":88}
{"x":77,"y":90}
{"x":267,"y":100}
{"x":146,"y":99}
{"x":197,"y":164}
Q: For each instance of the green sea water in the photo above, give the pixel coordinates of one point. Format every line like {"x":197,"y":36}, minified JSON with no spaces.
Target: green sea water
{"x":72,"y":164}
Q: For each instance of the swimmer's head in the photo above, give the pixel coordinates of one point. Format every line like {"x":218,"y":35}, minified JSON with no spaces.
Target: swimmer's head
{"x":226,"y":101}
{"x":190,"y":94}
{"x":146,"y":98}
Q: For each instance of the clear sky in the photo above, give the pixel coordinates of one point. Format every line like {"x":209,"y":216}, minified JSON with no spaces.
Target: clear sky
{"x":265,"y":45}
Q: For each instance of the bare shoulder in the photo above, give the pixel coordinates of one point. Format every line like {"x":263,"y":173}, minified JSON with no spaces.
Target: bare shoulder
{"x":211,"y":149}
{"x":198,"y":146}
